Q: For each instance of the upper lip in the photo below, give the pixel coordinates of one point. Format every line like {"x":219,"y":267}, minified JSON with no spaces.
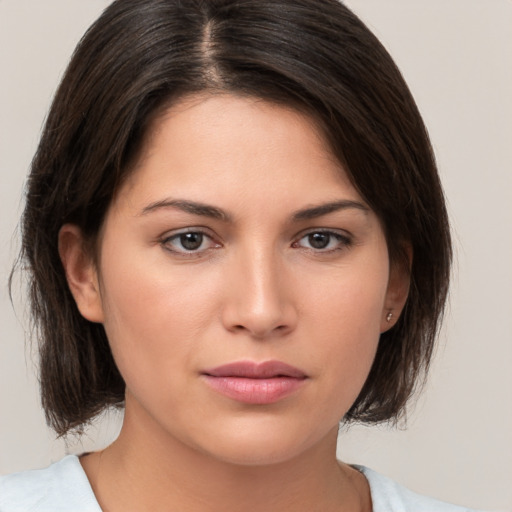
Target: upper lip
{"x":254,"y":370}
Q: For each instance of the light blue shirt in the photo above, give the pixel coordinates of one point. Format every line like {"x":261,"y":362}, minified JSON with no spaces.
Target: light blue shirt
{"x":64,"y":487}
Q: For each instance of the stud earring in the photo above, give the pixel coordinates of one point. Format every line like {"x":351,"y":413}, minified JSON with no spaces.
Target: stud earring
{"x":389,"y":316}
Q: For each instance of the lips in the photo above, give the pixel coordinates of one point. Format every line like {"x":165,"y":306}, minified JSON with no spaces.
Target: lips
{"x":255,"y":383}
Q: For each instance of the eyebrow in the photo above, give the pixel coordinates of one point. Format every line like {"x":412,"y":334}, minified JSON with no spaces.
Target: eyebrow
{"x":192,"y":207}
{"x":326,"y":208}
{"x":206,"y":210}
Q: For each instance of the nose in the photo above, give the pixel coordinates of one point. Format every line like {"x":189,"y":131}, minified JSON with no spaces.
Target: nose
{"x":259,"y":297}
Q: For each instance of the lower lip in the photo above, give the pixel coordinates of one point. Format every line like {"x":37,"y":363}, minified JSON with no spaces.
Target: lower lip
{"x":255,"y":391}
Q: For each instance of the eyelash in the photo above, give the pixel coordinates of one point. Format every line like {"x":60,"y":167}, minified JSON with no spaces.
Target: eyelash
{"x":167,"y":241}
{"x":343,"y":241}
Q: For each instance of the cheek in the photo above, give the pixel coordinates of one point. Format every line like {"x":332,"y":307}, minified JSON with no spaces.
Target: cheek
{"x":154,"y":315}
{"x":348,"y":300}
{"x":344,"y":315}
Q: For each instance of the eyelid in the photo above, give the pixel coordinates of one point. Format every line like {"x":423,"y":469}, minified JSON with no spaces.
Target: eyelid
{"x":346,"y":239}
{"x":173,"y":234}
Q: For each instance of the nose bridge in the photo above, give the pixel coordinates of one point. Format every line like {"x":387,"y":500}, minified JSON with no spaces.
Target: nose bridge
{"x":263,"y":294}
{"x":259,"y":303}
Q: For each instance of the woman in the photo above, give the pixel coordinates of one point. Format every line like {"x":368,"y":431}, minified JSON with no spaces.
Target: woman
{"x":235,"y":230}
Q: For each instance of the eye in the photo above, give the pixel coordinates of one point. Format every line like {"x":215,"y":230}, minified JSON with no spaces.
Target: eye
{"x":323,"y":241}
{"x":189,"y":242}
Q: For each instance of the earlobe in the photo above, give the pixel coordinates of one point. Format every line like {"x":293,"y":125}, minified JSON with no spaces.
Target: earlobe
{"x":397,"y":291}
{"x":81,"y":272}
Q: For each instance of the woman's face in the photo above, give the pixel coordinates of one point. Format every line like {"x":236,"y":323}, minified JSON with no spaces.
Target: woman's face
{"x":239,"y":240}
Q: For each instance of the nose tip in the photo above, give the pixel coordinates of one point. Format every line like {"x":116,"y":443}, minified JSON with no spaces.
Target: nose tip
{"x":260,"y":304}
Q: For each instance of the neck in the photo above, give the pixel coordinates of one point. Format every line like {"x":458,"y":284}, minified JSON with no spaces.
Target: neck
{"x":142,"y":471}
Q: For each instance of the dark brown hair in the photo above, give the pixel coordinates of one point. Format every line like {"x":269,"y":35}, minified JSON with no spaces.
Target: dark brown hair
{"x":314,"y":55}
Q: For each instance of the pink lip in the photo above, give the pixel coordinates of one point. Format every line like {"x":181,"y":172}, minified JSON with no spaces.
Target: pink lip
{"x":255,"y":383}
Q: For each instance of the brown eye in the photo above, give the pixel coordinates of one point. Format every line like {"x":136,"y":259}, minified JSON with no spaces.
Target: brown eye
{"x":319,"y":240}
{"x":324,"y":241}
{"x":188,"y":242}
{"x":191,"y":241}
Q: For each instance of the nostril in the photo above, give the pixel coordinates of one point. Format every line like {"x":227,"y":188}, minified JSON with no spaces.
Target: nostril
{"x":259,"y":333}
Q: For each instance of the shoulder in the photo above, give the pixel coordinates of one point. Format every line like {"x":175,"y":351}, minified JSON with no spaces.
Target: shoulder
{"x":63,"y":486}
{"x":389,"y":496}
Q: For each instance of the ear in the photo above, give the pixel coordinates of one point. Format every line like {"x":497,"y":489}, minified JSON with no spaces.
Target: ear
{"x":81,"y":272}
{"x":397,"y":291}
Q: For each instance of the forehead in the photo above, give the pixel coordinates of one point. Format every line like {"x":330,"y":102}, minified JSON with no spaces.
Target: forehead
{"x":203,"y":135}
{"x":218,"y":145}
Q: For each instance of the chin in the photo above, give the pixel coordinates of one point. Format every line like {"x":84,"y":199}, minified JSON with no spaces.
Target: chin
{"x":255,"y":454}
{"x":269,"y":444}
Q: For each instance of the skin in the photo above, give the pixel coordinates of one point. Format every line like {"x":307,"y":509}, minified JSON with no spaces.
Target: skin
{"x":256,"y":289}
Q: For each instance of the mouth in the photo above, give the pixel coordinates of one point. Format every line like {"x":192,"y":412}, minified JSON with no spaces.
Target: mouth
{"x":255,"y":383}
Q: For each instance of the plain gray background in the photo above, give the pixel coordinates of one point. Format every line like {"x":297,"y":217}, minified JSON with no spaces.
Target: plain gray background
{"x":457,"y":58}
